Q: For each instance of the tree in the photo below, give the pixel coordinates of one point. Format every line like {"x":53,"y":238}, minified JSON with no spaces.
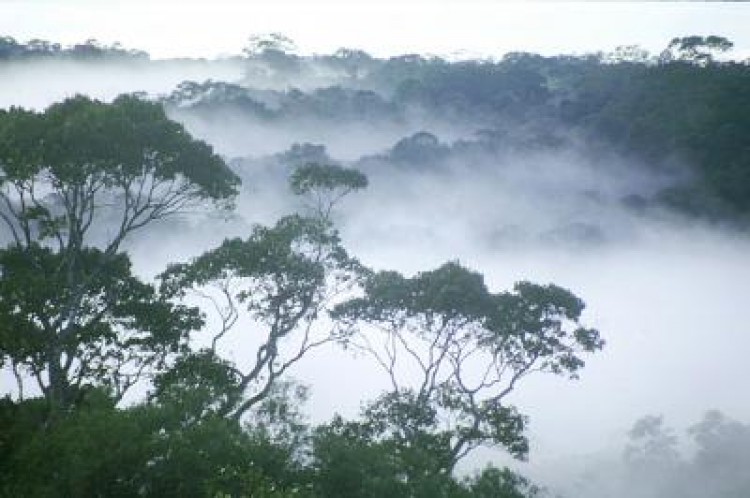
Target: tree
{"x":633,"y":54}
{"x":656,"y":463}
{"x":700,"y":50}
{"x":260,"y":44}
{"x":651,"y":443}
{"x":325,"y":185}
{"x":142,"y":450}
{"x":423,"y":149}
{"x":271,"y":56}
{"x":75,"y":182}
{"x":108,"y":328}
{"x":286,"y":278}
{"x":501,"y":483}
{"x":453,"y":351}
{"x":42,"y":47}
{"x":354,"y":62}
{"x":351,"y":459}
{"x":9,"y":47}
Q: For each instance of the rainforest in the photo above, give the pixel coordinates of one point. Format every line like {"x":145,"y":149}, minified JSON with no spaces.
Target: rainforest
{"x":276,"y":274}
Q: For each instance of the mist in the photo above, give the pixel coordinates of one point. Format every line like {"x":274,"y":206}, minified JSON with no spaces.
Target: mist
{"x":505,"y":197}
{"x":667,"y":290}
{"x":38,"y":82}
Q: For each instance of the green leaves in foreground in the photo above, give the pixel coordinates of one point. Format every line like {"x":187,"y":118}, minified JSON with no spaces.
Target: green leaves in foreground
{"x":75,"y":182}
{"x":105,"y":331}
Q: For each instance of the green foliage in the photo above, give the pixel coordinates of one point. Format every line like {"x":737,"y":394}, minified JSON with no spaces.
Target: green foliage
{"x":197,"y":386}
{"x":123,"y":163}
{"x":311,"y":177}
{"x":684,"y":112}
{"x":365,"y":459}
{"x":676,"y":112}
{"x":698,"y":48}
{"x":73,"y":315}
{"x":142,"y":451}
{"x":113,"y":145}
{"x":453,"y":351}
{"x":123,"y":325}
{"x":501,"y":483}
{"x":153,"y":449}
{"x":149,"y":450}
{"x":284,"y":277}
{"x":325,"y":185}
{"x":350,"y":460}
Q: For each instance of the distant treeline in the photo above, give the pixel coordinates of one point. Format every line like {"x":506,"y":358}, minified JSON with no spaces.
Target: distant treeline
{"x":10,"y":48}
{"x":683,"y":109}
{"x":669,"y":111}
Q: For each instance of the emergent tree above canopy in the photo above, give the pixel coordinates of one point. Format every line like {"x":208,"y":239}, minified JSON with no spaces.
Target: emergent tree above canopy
{"x":75,"y":181}
{"x":454,"y":351}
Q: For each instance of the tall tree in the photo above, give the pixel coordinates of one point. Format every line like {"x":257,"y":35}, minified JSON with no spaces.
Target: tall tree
{"x":700,"y":50}
{"x":453,"y":351}
{"x":277,"y":286}
{"x":75,"y":182}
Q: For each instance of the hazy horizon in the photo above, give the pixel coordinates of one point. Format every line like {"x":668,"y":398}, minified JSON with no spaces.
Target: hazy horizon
{"x":478,"y":28}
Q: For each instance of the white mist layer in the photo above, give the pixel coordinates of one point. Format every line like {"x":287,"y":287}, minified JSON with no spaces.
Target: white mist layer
{"x":234,"y":135}
{"x":38,"y":83}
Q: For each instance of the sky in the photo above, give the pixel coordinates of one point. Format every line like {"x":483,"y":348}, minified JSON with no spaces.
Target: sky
{"x":441,"y":27}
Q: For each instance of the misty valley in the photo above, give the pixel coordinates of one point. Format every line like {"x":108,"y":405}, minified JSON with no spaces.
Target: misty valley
{"x":276,"y":275}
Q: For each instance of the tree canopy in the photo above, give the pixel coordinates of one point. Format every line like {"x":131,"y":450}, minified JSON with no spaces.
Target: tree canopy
{"x":79,"y":328}
{"x":453,"y":351}
{"x":75,"y":181}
